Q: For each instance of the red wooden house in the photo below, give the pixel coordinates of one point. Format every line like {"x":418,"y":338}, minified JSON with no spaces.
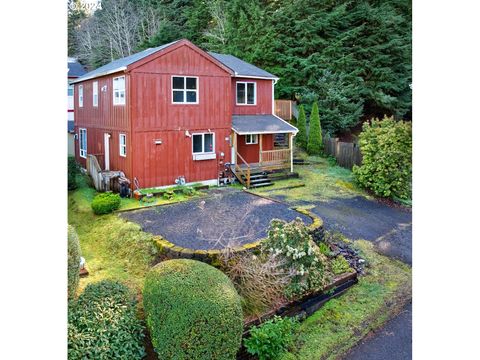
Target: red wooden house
{"x":177,"y":111}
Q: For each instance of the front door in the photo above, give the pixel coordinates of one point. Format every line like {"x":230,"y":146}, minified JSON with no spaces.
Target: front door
{"x":106,"y":143}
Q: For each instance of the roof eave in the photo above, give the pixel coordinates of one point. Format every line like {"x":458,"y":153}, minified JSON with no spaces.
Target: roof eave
{"x":80,"y":79}
{"x":257,"y":77}
{"x":264,"y":132}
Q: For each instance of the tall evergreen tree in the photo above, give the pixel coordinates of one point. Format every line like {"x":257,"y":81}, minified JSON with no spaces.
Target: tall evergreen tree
{"x":315,"y":144}
{"x":301,"y":137}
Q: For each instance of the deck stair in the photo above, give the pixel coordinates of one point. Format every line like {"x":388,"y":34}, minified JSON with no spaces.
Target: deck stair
{"x":258,"y":179}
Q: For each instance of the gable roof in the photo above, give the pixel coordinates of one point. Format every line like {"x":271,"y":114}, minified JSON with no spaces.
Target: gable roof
{"x":242,"y":68}
{"x":121,"y":64}
{"x":75,"y":69}
{"x":239,"y":67}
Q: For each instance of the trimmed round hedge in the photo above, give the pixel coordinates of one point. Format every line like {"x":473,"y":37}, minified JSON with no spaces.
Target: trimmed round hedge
{"x":105,"y":203}
{"x":73,"y":261}
{"x":192,"y":311}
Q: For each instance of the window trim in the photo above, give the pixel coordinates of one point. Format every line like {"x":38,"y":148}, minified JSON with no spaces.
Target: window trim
{"x":80,"y":96}
{"x":120,"y":146}
{"x":197,"y":90}
{"x":251,"y":137}
{"x":80,"y":150}
{"x":94,"y":92}
{"x":246,"y":93}
{"x":115,"y":103}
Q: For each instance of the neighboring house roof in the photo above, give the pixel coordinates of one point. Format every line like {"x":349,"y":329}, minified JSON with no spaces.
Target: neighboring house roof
{"x":260,"y":124}
{"x":242,"y":68}
{"x":71,"y":126}
{"x":75,"y":69}
{"x":121,"y":64}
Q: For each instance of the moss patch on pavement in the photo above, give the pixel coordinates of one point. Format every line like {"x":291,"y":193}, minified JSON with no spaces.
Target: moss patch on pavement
{"x":342,"y":322}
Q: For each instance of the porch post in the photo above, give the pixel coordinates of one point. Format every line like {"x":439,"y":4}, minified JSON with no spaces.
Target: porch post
{"x":290,"y":144}
{"x":234,"y":147}
{"x":261,"y":149}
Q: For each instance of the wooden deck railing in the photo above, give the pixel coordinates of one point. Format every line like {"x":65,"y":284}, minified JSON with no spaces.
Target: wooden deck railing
{"x":275,"y":158}
{"x":243,"y":169}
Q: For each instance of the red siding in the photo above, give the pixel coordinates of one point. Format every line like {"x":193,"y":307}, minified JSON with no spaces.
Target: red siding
{"x":156,"y":118}
{"x":251,"y":152}
{"x":264,"y":98}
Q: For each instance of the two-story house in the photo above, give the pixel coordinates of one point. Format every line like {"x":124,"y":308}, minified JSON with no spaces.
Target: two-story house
{"x":177,"y":111}
{"x":75,"y":70}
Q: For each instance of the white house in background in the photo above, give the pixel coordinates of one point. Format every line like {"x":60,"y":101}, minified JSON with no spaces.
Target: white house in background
{"x":75,"y":70}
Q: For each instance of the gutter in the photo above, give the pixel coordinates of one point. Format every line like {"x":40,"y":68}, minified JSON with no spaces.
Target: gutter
{"x":108,"y":72}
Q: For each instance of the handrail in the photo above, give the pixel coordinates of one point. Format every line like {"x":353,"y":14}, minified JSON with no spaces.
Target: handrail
{"x":240,"y":170}
{"x":275,"y":156}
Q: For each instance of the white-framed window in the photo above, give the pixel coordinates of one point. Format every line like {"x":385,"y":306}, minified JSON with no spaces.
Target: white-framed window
{"x":123,"y":145}
{"x":80,"y":95}
{"x":251,"y":139}
{"x":246,"y":93}
{"x":70,"y":90}
{"x":82,"y":141}
{"x":203,"y":146}
{"x":184,"y":89}
{"x":95,"y":93}
{"x":119,"y":90}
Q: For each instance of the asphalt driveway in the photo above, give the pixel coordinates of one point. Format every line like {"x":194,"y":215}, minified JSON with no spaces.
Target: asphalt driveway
{"x":226,"y":217}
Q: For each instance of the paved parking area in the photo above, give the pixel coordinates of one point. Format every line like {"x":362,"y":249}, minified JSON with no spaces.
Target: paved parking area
{"x":225,"y":217}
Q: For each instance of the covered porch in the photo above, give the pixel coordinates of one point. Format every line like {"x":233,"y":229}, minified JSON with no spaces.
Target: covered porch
{"x":261,"y":144}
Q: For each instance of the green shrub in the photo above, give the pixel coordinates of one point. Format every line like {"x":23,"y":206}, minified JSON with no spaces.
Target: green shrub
{"x":188,"y":191}
{"x":169,"y":194}
{"x":73,"y":171}
{"x":192,"y":311}
{"x":272,"y":338}
{"x":386,"y":148}
{"x":301,"y":137}
{"x":340,"y":265}
{"x":73,"y":261}
{"x":105,"y":203}
{"x":102,"y":324}
{"x":302,"y":258}
{"x":315,"y":144}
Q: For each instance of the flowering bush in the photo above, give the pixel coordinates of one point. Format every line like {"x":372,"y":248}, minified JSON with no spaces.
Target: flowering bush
{"x":303,"y":259}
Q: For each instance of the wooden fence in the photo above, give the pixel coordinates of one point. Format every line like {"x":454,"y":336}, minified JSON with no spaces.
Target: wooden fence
{"x":347,"y":154}
{"x":283,"y":109}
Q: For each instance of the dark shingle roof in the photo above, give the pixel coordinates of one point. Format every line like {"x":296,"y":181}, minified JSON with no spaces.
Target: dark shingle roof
{"x":121,"y":64}
{"x":256,"y":124}
{"x":75,"y":69}
{"x":241,"y":67}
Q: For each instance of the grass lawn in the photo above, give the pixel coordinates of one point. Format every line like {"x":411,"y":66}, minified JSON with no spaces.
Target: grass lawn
{"x":344,"y":321}
{"x":322,"y":180}
{"x":112,"y":247}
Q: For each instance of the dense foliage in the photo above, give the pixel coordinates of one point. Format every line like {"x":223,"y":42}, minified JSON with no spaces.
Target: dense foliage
{"x":301,"y":137}
{"x":102,"y":324}
{"x":315,"y":144}
{"x":73,"y":171}
{"x":353,"y":57}
{"x":192,"y":311}
{"x":292,"y":242}
{"x":105,"y":203}
{"x":73,"y":261}
{"x":272,"y":338}
{"x":386,"y":168}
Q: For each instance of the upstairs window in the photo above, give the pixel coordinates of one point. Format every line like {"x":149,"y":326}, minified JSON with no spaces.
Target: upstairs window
{"x":251,"y":139}
{"x":83,"y":142}
{"x":95,"y":93}
{"x":246,"y":93}
{"x":203,"y":143}
{"x":123,"y":145}
{"x":70,"y":90}
{"x":80,"y":95}
{"x":184,"y":90}
{"x":119,"y":90}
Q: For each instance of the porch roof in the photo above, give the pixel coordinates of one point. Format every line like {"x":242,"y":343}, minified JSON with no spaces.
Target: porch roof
{"x":261,"y":124}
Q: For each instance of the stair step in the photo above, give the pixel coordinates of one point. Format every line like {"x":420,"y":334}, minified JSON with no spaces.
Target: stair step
{"x":256,"y":181}
{"x":256,"y":176}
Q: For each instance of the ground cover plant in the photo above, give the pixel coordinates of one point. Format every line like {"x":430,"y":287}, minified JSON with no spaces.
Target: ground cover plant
{"x":386,"y":169}
{"x":379,"y":295}
{"x":272,"y":338}
{"x":102,"y":324}
{"x":192,"y":311}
